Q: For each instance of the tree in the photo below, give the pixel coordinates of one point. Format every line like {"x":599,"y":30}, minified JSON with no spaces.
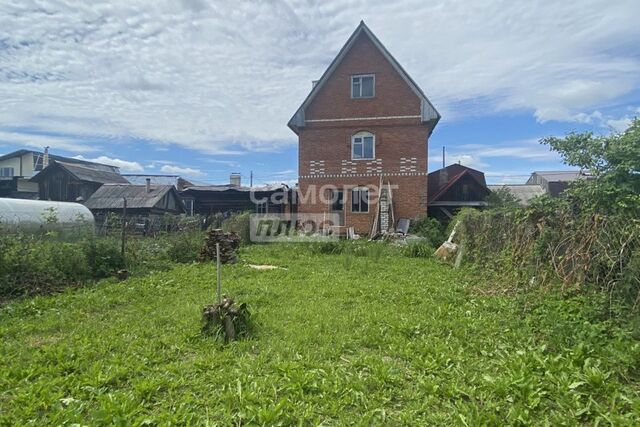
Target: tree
{"x":612,"y":161}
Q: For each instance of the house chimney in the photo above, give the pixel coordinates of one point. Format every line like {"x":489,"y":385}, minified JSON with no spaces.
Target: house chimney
{"x":148,"y":185}
{"x":234,"y":179}
{"x":45,"y":158}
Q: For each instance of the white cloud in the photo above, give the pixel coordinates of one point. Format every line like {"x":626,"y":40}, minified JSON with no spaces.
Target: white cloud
{"x":181,"y":171}
{"x":38,"y":142}
{"x":124,"y":165}
{"x":224,"y":78}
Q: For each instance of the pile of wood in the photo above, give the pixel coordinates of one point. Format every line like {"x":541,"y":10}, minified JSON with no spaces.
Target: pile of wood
{"x":226,"y":317}
{"x":229,"y":243}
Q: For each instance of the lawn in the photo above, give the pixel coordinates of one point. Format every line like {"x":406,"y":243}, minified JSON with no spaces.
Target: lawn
{"x":376,"y":339}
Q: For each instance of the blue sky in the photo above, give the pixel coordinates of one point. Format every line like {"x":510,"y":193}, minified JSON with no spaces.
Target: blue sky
{"x":203,"y":89}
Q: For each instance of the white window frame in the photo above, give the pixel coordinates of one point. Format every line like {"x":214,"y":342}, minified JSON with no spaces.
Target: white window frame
{"x":7,"y":172}
{"x":359,"y":77}
{"x":359,"y":189}
{"x":361,"y":136}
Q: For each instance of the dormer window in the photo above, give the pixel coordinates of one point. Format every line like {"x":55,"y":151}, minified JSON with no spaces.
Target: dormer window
{"x":363,"y":86}
{"x":363,"y":146}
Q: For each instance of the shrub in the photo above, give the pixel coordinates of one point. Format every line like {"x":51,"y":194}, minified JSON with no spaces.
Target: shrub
{"x":103,"y":256}
{"x":430,"y":229}
{"x":419,"y":249}
{"x":240,"y":224}
{"x":184,"y":247}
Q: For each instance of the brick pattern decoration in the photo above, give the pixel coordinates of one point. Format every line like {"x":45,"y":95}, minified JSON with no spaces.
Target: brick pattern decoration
{"x":400,"y":141}
{"x":316,"y":167}
{"x":348,"y":167}
{"x":408,"y":164}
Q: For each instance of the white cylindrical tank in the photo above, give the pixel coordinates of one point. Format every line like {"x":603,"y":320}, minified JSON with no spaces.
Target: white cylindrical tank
{"x":34,"y":216}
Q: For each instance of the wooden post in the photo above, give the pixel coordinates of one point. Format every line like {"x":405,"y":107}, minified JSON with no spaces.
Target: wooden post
{"x":218,"y":272}
{"x":124,"y":225}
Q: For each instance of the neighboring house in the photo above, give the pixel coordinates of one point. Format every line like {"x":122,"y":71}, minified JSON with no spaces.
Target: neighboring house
{"x":233,"y":197}
{"x":454,"y":187}
{"x":364,"y":121}
{"x":555,"y":182}
{"x":71,"y":182}
{"x":176,"y":180}
{"x":17,"y":169}
{"x":148,"y":201}
{"x":523,"y":192}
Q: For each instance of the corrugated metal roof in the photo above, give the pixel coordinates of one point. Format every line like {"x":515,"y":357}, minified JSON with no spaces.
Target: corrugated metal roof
{"x":523,"y":192}
{"x":63,"y":159}
{"x":91,"y":174}
{"x":560,"y":176}
{"x":110,"y":196}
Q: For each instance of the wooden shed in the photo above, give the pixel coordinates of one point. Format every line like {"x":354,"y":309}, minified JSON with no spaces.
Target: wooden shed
{"x":454,"y":187}
{"x":69,"y":182}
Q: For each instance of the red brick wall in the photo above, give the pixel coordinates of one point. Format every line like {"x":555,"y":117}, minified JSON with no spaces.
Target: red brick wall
{"x":393,"y":97}
{"x":400,"y":143}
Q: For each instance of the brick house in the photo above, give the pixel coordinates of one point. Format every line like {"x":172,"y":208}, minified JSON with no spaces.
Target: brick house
{"x":364,"y":122}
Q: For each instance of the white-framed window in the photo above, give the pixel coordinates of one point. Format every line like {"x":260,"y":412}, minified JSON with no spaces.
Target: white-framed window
{"x":6,"y":172}
{"x":363,"y":86}
{"x":363,"y":146}
{"x":360,"y":200}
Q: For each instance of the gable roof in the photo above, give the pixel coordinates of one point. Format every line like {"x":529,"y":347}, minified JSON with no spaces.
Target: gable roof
{"x":523,"y":192}
{"x":451,"y":174}
{"x":428,"y":112}
{"x":64,"y":159}
{"x":84,"y":172}
{"x":558,"y":176}
{"x":159,"y":179}
{"x":111,"y":196}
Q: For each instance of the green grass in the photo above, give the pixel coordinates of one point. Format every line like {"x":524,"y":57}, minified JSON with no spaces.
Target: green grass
{"x":337,"y":339}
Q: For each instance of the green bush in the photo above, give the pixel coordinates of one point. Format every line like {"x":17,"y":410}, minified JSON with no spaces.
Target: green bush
{"x":419,"y":249}
{"x":103,"y":256}
{"x":430,"y":229}
{"x":185,"y":247}
{"x":240,"y":224}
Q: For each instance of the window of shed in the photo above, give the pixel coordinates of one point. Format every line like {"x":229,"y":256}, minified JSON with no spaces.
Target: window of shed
{"x":363,"y":146}
{"x":363,"y":86}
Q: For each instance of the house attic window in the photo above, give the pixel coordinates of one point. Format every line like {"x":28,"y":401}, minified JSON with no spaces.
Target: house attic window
{"x":363,"y":86}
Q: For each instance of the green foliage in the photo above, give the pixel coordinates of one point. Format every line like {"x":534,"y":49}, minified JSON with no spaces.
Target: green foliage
{"x":398,"y":342}
{"x":103,"y":256}
{"x":328,"y":247}
{"x":418,"y":249}
{"x":614,"y":163}
{"x":240,"y":223}
{"x":184,"y":247}
{"x":429,"y":228}
{"x":502,"y":198}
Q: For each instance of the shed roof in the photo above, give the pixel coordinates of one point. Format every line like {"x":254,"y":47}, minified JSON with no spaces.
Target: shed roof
{"x":82,"y":172}
{"x":111,"y":196}
{"x":429,"y":114}
{"x":560,"y":176}
{"x":439,"y":181}
{"x":523,"y":192}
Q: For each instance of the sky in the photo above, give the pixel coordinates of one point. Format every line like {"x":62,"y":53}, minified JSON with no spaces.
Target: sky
{"x":201,"y":88}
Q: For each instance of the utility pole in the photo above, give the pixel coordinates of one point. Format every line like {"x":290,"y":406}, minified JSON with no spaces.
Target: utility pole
{"x":251,"y":180}
{"x":443,"y":157}
{"x":124,"y":225}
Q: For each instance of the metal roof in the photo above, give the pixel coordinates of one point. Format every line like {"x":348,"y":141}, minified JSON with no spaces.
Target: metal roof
{"x":83,"y":173}
{"x":429,"y":113}
{"x":560,"y":176}
{"x":229,"y":187}
{"x":111,"y":196}
{"x":523,"y":192}
{"x":141,"y":179}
